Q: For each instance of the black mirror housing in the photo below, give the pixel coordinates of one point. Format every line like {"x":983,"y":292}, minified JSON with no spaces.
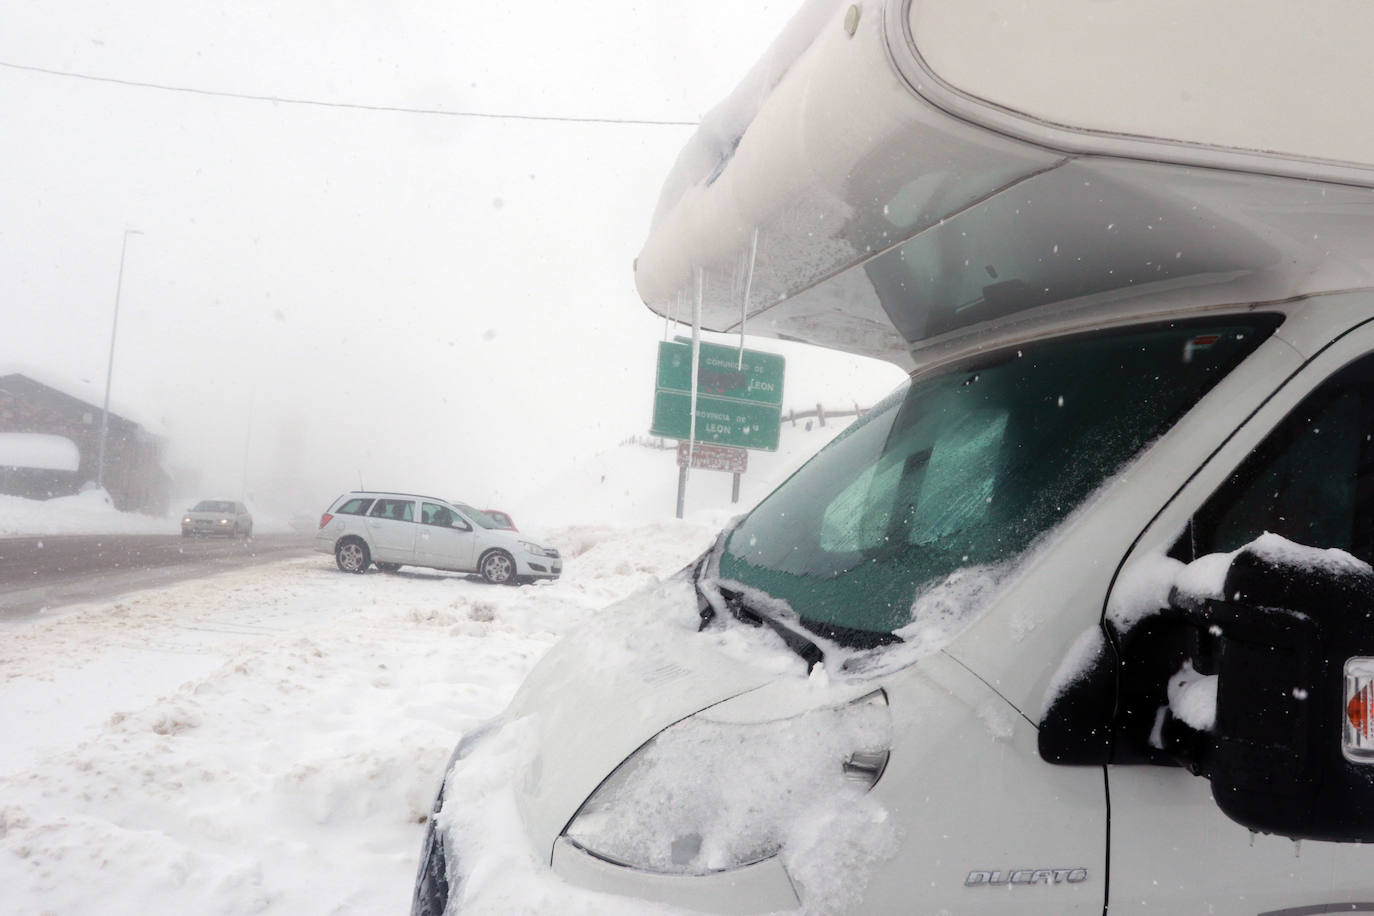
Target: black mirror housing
{"x":1278,"y":646}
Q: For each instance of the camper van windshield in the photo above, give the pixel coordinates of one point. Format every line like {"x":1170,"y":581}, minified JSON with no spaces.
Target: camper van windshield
{"x":967,"y":466}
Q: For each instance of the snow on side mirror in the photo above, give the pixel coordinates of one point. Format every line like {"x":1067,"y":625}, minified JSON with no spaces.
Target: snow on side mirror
{"x":1286,"y":654}
{"x":1076,"y":722}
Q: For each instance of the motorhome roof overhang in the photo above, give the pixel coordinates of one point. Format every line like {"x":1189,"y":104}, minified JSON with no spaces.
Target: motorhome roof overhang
{"x":883,"y":207}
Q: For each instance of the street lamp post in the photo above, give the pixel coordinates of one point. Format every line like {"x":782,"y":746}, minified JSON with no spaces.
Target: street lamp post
{"x":109,"y":370}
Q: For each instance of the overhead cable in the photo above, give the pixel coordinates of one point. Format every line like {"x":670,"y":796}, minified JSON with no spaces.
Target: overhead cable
{"x":355,"y":106}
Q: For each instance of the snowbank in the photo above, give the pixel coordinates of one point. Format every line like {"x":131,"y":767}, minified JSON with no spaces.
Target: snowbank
{"x":269,"y":740}
{"x":39,"y":450}
{"x":90,"y":512}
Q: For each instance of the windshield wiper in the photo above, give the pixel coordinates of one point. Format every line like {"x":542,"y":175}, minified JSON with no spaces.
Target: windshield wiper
{"x":794,"y":639}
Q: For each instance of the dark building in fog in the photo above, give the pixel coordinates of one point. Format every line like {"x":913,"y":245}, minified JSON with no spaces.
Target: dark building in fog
{"x":35,"y":418}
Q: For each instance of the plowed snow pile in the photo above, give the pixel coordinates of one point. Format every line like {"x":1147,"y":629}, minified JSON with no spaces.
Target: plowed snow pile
{"x":269,"y":740}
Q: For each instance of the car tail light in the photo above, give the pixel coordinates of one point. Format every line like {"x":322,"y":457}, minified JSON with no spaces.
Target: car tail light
{"x":326,"y":519}
{"x":1357,"y":742}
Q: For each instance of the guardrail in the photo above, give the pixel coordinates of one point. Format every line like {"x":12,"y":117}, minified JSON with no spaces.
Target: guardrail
{"x":820,"y":412}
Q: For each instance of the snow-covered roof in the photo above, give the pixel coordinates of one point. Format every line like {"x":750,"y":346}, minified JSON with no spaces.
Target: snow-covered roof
{"x":82,"y":391}
{"x":39,"y":450}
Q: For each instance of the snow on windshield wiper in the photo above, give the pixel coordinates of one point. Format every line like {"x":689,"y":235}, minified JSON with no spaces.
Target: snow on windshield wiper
{"x":713,"y":599}
{"x":804,"y":647}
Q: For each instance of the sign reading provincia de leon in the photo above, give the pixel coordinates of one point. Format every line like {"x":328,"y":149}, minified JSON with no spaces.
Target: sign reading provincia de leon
{"x":737,"y":404}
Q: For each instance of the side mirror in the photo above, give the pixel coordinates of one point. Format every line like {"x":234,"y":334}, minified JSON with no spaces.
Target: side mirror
{"x":1289,"y":749}
{"x":1272,"y":699}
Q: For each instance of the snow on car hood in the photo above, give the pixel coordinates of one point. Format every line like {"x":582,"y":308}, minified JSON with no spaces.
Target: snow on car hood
{"x":606,"y":689}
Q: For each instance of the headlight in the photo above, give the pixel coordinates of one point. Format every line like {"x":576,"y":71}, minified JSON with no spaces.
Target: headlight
{"x":706,"y":796}
{"x":535,"y":549}
{"x":186,"y":520}
{"x":224,"y":521}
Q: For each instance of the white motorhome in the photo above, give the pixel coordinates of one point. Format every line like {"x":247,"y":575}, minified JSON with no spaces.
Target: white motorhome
{"x":1081,"y":618}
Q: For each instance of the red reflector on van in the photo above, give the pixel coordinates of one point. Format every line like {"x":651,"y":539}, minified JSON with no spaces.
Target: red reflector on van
{"x":1357,"y":711}
{"x":1357,"y":735}
{"x":325,"y":519}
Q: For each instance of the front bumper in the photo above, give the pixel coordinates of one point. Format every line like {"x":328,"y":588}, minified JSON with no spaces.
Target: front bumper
{"x":206,"y":528}
{"x":540,"y":567}
{"x":760,"y":888}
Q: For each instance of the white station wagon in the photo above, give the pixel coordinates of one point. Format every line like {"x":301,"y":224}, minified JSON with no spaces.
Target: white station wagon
{"x":402,"y":529}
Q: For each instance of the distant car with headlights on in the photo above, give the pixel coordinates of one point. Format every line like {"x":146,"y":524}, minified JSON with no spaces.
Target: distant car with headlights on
{"x":404,"y":529}
{"x":217,"y":516}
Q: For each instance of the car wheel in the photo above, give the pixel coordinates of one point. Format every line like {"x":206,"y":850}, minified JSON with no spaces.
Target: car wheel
{"x":388,"y":567}
{"x":498,"y":568}
{"x":352,"y":556}
{"x":248,"y":532}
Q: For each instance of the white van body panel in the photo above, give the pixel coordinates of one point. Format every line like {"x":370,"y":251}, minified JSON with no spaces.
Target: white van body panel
{"x":838,"y":149}
{"x":965,"y":782}
{"x":1268,"y":78}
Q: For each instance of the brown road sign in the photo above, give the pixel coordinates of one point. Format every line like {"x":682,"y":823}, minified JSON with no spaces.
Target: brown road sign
{"x":708,"y":457}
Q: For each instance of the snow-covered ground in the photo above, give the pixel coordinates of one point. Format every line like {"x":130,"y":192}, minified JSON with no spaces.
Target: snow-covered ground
{"x":269,"y":740}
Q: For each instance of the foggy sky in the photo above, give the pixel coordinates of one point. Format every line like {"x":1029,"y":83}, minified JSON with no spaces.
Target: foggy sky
{"x":329,"y":296}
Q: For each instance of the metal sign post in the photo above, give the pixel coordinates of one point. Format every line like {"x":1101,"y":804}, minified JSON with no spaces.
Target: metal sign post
{"x":708,"y":457}
{"x":723,"y":401}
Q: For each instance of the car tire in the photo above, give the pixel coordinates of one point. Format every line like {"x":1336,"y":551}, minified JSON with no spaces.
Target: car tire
{"x":248,"y":532}
{"x":497,"y":567}
{"x":352,"y":556}
{"x":388,"y":567}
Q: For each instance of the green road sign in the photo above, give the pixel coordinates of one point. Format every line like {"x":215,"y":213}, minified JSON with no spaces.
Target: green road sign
{"x":739,"y":406}
{"x":759,"y":379}
{"x":721,"y":421}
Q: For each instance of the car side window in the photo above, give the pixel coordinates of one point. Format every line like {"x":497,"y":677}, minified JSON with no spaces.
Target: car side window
{"x":1310,"y":481}
{"x":439,"y":516}
{"x":356,"y":506}
{"x":401,"y":510}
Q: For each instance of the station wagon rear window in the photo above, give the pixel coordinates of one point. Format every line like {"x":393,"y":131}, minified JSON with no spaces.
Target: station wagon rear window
{"x":358,"y":506}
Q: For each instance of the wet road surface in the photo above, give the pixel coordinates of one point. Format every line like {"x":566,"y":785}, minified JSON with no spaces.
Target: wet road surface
{"x":42,"y":573}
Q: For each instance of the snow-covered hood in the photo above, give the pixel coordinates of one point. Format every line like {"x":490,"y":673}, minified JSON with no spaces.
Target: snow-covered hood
{"x":604,"y":691}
